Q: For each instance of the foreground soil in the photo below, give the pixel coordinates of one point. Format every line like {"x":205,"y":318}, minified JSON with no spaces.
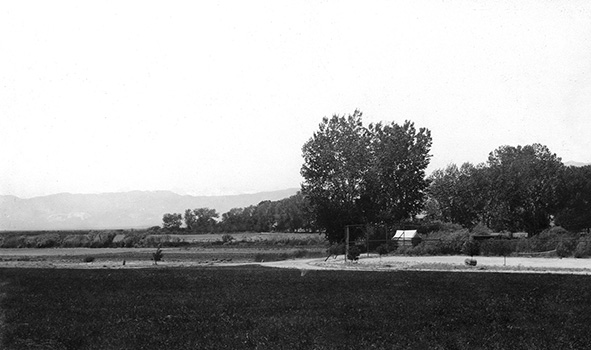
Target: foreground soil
{"x":253,"y":307}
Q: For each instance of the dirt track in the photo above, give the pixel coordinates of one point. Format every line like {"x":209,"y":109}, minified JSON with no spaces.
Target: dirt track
{"x":139,"y":258}
{"x":444,"y":263}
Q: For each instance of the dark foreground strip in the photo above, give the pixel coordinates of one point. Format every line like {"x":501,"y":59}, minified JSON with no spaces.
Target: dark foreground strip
{"x":248,"y":307}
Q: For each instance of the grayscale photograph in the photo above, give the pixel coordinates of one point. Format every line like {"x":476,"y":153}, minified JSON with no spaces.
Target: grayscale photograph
{"x":295,"y":174}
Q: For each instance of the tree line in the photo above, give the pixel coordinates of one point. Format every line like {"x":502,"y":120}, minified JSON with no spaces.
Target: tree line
{"x":375,"y":175}
{"x":522,"y":188}
{"x":285,"y":215}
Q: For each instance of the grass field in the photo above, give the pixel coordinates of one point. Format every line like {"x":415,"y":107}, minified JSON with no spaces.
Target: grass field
{"x":250,"y":307}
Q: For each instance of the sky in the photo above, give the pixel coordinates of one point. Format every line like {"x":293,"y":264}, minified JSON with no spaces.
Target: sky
{"x":218,"y":97}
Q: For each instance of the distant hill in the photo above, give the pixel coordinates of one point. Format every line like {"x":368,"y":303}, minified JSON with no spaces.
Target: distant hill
{"x":120,"y":210}
{"x":577,"y":164}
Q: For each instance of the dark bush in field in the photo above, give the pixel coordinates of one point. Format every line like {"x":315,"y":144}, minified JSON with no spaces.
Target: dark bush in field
{"x":88,"y":259}
{"x":227,"y":238}
{"x":470,"y":262}
{"x":157,"y":256}
{"x":354,"y":252}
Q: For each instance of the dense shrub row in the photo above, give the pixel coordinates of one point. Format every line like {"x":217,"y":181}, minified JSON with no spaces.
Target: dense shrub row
{"x":138,"y":239}
{"x":290,"y":241}
{"x":555,"y":241}
{"x":92,"y":239}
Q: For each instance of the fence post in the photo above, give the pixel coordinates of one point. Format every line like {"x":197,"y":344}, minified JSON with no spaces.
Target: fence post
{"x":346,"y":243}
{"x":367,"y":231}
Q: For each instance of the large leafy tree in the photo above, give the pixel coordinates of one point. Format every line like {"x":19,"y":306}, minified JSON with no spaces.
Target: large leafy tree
{"x":399,"y":155}
{"x":358,"y":175}
{"x":523,"y":190}
{"x":336,"y":162}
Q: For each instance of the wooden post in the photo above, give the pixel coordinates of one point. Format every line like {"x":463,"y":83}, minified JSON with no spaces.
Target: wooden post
{"x":346,"y":243}
{"x":367,"y":239}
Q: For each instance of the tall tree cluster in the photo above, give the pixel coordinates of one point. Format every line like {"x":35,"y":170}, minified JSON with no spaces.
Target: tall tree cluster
{"x":574,"y":209}
{"x":519,"y":188}
{"x":358,"y":175}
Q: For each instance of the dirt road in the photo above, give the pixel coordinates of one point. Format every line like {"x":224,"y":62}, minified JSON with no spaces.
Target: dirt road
{"x":443,"y":263}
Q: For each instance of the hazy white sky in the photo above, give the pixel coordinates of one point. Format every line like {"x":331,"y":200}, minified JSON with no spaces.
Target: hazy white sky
{"x":219,"y":97}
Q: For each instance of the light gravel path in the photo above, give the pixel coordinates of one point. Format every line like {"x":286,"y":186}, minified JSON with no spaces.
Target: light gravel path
{"x":443,"y":263}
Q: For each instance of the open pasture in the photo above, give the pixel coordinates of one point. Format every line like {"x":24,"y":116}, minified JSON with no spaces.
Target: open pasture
{"x":248,"y":307}
{"x":142,"y":257}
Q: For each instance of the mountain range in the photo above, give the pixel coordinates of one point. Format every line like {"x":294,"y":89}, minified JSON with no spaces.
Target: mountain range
{"x":119,"y":210}
{"x":577,"y":164}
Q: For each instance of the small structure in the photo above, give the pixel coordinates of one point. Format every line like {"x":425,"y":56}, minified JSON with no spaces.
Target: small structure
{"x":404,"y":237}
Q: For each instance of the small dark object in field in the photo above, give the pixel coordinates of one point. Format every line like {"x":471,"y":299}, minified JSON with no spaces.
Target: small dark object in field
{"x":470,"y":262}
{"x":88,"y":259}
{"x":157,"y":256}
{"x":354,"y":253}
{"x":123,"y":262}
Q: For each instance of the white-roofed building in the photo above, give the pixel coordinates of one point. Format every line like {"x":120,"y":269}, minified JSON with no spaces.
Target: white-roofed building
{"x":404,"y":237}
